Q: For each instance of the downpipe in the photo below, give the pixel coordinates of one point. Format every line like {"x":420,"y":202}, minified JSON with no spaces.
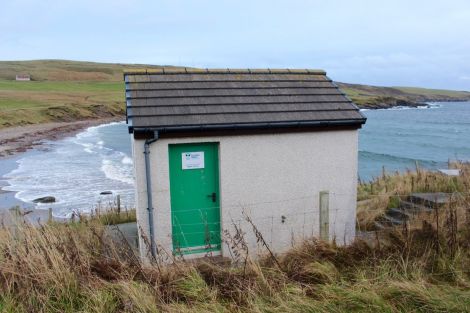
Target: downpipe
{"x":148,"y":176}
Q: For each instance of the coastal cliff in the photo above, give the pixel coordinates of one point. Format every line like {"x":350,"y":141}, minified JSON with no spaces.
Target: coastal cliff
{"x":374,"y":97}
{"x":62,"y":91}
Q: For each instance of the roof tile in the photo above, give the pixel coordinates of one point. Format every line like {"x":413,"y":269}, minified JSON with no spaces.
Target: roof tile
{"x":189,"y":97}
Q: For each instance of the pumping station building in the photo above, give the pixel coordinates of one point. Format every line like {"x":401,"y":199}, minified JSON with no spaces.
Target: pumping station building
{"x":226,"y":154}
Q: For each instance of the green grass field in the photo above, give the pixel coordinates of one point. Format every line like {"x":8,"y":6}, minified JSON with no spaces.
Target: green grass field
{"x":433,"y":92}
{"x":63,"y":86}
{"x":23,"y":103}
{"x":373,"y":96}
{"x":65,"y":70}
{"x":63,"y":90}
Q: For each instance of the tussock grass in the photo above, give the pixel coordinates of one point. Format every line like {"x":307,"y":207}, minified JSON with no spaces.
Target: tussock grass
{"x":77,"y":267}
{"x":385,"y":191}
{"x":113,"y":216}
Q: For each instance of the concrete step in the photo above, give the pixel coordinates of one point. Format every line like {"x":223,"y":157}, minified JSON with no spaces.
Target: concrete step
{"x":413,"y":207}
{"x":387,"y":220}
{"x":125,"y":233}
{"x":400,"y":214}
{"x":379,"y":226}
{"x":430,"y":199}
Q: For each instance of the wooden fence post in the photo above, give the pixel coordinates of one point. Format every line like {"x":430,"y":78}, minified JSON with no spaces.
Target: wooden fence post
{"x":118,"y":202}
{"x":324,"y":216}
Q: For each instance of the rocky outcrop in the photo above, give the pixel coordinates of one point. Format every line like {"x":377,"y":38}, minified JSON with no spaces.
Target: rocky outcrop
{"x":374,"y":97}
{"x":48,"y":199}
{"x":390,"y":102}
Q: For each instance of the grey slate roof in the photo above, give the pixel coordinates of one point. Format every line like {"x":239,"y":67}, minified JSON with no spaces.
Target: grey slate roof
{"x":197,"y":99}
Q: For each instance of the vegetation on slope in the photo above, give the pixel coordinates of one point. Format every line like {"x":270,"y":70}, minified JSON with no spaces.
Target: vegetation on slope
{"x":60,"y":91}
{"x":383,"y":192}
{"x":65,"y":70}
{"x":70,"y":90}
{"x":23,"y":103}
{"x":422,"y":266}
{"x":385,"y":97}
{"x":79,"y":268}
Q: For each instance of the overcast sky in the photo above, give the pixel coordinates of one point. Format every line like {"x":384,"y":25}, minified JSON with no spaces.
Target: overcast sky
{"x":390,"y":43}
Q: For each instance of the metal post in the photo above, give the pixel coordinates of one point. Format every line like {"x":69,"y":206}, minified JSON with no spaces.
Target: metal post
{"x":324,"y":216}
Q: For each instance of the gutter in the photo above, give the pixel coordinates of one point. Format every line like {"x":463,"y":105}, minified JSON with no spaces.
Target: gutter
{"x":148,"y":176}
{"x":268,"y":125}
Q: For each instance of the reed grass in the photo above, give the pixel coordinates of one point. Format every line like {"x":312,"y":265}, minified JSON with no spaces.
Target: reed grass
{"x":78,"y":267}
{"x":113,"y":216}
{"x":422,"y":266}
{"x":384,"y":191}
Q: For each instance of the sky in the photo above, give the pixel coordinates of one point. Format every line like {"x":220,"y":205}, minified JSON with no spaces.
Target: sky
{"x":385,"y":43}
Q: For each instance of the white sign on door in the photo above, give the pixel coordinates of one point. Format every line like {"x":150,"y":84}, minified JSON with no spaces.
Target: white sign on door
{"x":192,"y":160}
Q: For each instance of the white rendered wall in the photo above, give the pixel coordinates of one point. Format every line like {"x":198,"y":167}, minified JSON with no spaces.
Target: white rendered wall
{"x":266,"y":176}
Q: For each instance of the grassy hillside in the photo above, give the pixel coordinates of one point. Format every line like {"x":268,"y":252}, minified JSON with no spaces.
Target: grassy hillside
{"x":384,"y":97}
{"x":64,"y":70}
{"x":23,"y":103}
{"x":60,"y":91}
{"x":69,"y":90}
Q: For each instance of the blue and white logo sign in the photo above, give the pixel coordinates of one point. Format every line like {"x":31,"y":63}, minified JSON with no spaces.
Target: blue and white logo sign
{"x":192,"y":160}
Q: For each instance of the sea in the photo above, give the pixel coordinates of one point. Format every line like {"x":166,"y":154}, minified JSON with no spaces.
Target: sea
{"x":79,"y":169}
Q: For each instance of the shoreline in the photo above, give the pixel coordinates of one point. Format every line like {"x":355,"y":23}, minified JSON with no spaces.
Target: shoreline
{"x":428,"y":105}
{"x":20,"y":139}
{"x":16,"y":141}
{"x":398,"y":103}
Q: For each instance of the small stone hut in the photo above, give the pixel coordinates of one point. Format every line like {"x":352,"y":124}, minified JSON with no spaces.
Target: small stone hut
{"x":220,"y":152}
{"x":23,"y":77}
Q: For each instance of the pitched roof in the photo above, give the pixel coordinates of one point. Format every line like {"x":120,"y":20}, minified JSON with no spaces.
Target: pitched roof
{"x":198,"y":99}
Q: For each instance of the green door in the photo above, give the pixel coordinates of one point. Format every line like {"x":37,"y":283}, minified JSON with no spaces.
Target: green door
{"x":194,"y":191}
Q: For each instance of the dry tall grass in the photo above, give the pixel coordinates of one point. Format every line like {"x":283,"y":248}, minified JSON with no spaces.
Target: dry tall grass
{"x":376,"y":196}
{"x":420,"y":267}
{"x":76,"y":267}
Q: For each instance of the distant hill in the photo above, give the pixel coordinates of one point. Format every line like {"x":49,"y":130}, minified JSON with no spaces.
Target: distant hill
{"x":63,"y":90}
{"x":385,"y":97}
{"x":64,"y":70}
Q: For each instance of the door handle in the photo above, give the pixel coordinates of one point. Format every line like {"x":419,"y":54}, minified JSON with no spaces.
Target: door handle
{"x":213,"y":196}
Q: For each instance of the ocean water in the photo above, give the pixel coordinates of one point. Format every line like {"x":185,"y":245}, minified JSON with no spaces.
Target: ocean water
{"x":75,"y":170}
{"x":396,"y":138}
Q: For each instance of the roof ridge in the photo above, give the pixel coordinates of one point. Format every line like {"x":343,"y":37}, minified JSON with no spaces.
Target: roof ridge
{"x":189,"y":70}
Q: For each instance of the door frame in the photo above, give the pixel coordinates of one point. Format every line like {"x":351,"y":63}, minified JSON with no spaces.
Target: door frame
{"x":210,"y":252}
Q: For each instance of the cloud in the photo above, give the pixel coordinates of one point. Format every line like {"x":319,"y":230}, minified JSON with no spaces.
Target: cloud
{"x":378,"y":42}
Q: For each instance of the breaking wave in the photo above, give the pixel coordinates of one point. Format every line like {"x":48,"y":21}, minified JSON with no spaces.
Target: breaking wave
{"x":76,"y":170}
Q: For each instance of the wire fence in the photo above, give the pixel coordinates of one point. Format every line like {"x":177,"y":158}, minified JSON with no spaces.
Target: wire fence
{"x":289,"y":222}
{"x":285,"y":222}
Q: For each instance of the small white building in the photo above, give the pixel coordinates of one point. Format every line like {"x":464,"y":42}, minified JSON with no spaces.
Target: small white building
{"x":23,"y":77}
{"x":215,"y":148}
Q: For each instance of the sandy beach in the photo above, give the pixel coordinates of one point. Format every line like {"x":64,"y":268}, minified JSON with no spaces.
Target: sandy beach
{"x":14,"y":140}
